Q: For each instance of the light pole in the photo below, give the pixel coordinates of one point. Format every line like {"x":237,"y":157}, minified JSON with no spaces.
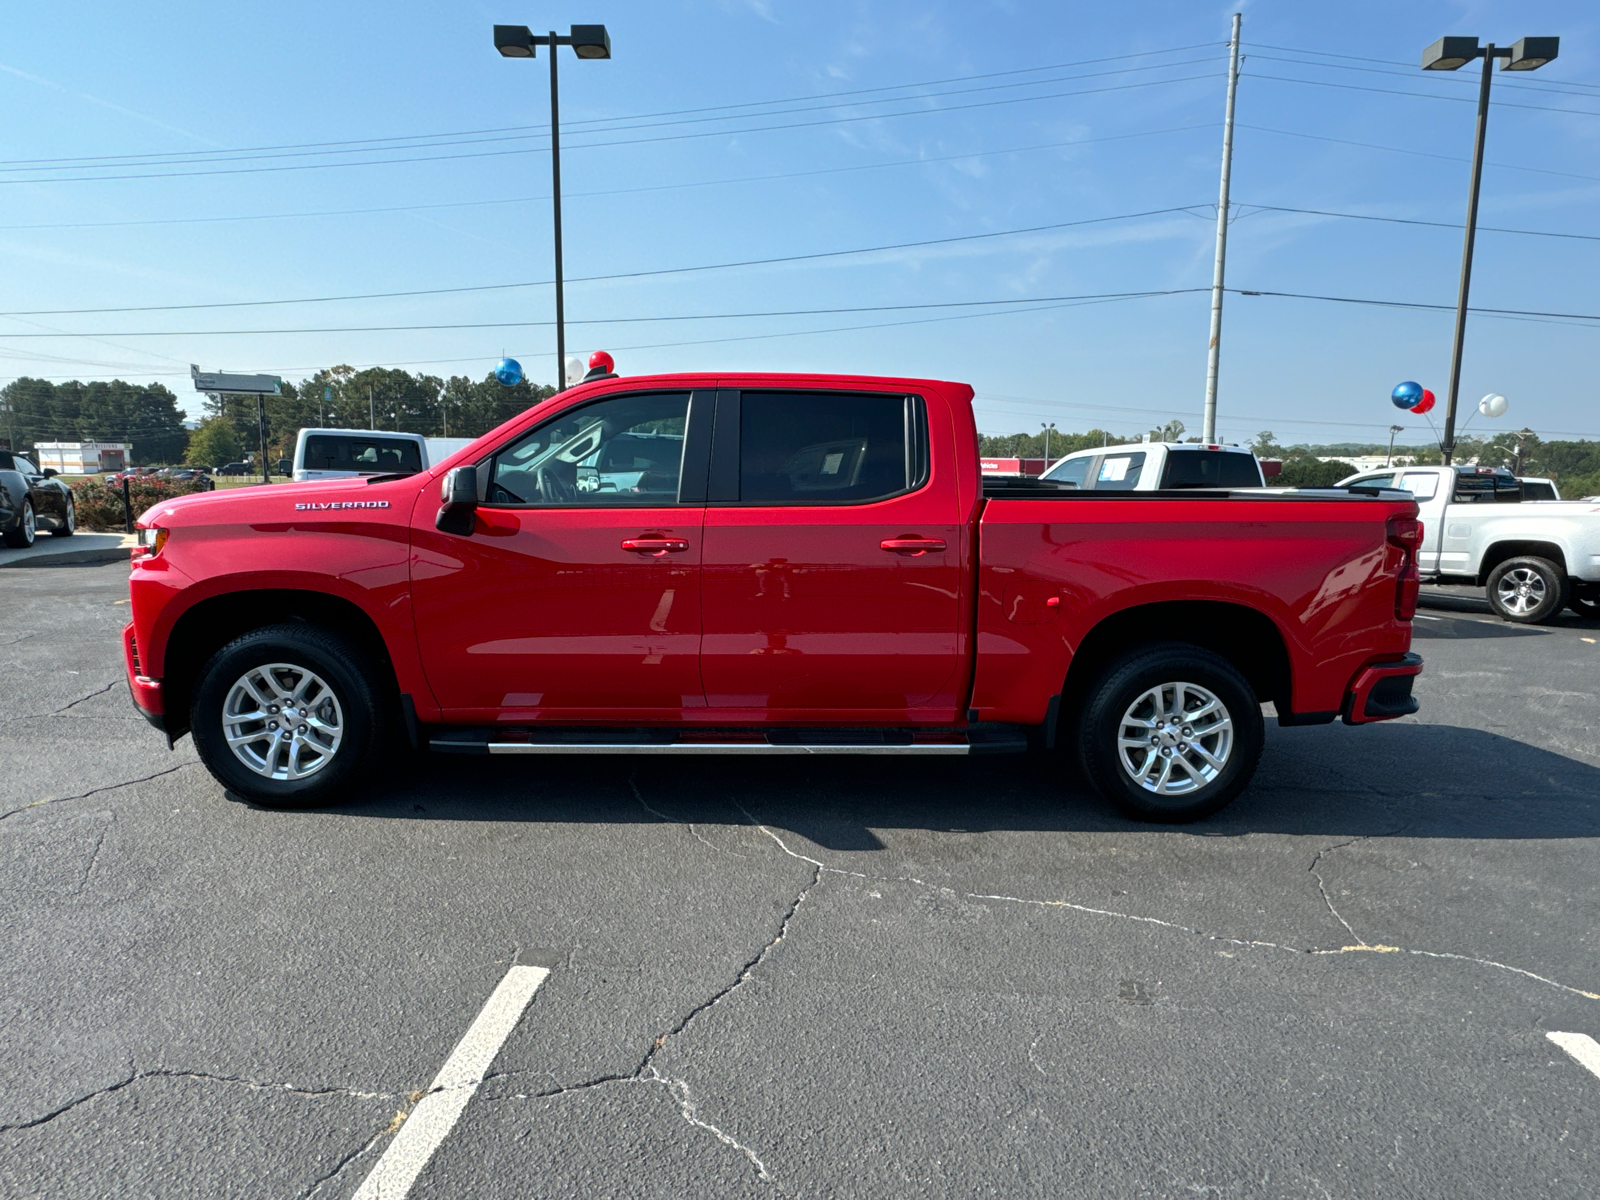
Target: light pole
{"x":587,"y":41}
{"x":1047,"y":430}
{"x":1450,"y":54}
{"x":1388,"y":459}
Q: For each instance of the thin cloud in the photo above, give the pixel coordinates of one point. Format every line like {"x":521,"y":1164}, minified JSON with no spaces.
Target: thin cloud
{"x":91,"y":99}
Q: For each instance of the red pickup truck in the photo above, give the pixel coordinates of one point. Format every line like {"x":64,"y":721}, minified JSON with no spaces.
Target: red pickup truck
{"x":763,"y":564}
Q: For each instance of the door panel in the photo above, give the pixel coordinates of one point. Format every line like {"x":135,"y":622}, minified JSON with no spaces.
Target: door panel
{"x":577,"y":596}
{"x":807,"y":611}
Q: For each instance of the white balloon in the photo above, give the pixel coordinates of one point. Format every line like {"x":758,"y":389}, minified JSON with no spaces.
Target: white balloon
{"x":575,"y":369}
{"x":1493,"y":405}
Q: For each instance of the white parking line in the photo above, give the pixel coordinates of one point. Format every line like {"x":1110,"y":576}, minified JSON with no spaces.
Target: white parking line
{"x":436,"y":1113}
{"x":1581,"y":1046}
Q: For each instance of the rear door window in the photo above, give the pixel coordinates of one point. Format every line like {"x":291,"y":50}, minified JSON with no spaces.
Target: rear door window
{"x":1210,"y":469}
{"x":1071,"y":470}
{"x":1119,"y":472}
{"x":828,"y":447}
{"x":368,"y":455}
{"x":1423,"y":485}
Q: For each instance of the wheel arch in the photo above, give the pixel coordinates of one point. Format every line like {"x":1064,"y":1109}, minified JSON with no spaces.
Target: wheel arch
{"x":210,"y":624}
{"x":1246,"y":637}
{"x":1499,"y":552}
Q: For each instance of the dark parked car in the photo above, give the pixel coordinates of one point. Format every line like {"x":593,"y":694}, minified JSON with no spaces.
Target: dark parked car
{"x":197,"y":475}
{"x":234,"y":468}
{"x":31,"y":500}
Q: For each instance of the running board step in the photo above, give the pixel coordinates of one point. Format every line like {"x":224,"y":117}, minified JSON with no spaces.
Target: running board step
{"x":1006,"y":739}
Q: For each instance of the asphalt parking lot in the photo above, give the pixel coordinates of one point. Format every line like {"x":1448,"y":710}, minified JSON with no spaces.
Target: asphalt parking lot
{"x":815,"y":978}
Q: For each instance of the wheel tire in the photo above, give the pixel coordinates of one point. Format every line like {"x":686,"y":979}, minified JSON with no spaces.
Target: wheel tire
{"x":70,"y":526}
{"x":1528,"y":590}
{"x":362,"y":713}
{"x":26,"y":531}
{"x":1123,"y":694}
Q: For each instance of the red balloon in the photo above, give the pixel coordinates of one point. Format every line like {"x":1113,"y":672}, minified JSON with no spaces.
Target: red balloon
{"x":1426,"y":403}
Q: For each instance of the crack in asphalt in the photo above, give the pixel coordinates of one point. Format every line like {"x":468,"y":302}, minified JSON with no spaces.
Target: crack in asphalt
{"x":1323,"y":888}
{"x":201,"y":1076}
{"x":95,"y":791}
{"x":633,"y":782}
{"x":1309,"y":951}
{"x":646,"y":1071}
{"x":54,"y":712}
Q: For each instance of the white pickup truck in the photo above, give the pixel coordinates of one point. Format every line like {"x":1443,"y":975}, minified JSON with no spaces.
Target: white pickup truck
{"x":1156,"y":466}
{"x":348,"y":453}
{"x":1532,"y":559}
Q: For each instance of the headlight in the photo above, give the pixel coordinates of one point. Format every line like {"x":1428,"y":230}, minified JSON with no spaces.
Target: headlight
{"x":150,"y":541}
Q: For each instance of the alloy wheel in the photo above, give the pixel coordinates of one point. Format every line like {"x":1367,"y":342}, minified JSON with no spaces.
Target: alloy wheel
{"x":1175,"y":738}
{"x":1521,"y":591}
{"x":282,"y":721}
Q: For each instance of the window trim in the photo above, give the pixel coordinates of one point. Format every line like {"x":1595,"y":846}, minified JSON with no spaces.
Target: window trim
{"x":723,"y":482}
{"x":691,"y":463}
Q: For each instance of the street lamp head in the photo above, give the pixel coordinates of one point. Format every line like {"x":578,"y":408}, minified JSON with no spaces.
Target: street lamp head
{"x":1450,"y":53}
{"x":1529,"y":54}
{"x":514,"y":41}
{"x":592,"y":41}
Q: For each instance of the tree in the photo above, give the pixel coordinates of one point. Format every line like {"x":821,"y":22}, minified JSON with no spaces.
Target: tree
{"x":1307,"y":471}
{"x":214,"y":443}
{"x":1171,"y":431}
{"x":1266,"y":445}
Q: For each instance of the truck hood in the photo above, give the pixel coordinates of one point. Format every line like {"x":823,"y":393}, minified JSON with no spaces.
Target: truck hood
{"x":282,"y":501}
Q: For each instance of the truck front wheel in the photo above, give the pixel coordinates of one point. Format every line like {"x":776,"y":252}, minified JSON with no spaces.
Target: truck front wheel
{"x":1171,"y":732}
{"x":1527,"y":590}
{"x":285,"y":716}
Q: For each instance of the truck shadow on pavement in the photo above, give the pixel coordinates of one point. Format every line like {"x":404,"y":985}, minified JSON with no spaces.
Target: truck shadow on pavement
{"x":1401,"y":778}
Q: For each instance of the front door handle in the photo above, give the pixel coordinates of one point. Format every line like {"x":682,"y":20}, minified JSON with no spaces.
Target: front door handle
{"x":655,"y":545}
{"x":911,"y":544}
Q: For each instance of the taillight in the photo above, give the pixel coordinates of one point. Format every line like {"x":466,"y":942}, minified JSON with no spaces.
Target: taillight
{"x":1406,"y":533}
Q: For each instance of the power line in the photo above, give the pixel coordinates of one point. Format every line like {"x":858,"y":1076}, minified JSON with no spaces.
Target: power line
{"x":573,"y":127}
{"x":490,"y":287}
{"x":660,"y":187}
{"x":1487,"y":312}
{"x":796,"y":312}
{"x":1532,"y":84}
{"x":1320,"y":212}
{"x":116,"y":158}
{"x":1356,"y":87}
{"x":605,"y":145}
{"x":1315,"y":137}
{"x":1415,"y":73}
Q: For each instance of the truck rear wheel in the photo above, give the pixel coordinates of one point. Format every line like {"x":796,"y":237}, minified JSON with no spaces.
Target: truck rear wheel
{"x":1171,"y":732}
{"x":285,"y":717}
{"x":1528,"y":590}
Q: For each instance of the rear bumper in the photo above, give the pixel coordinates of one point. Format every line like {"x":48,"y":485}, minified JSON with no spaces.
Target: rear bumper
{"x":145,"y":692}
{"x":1382,"y":692}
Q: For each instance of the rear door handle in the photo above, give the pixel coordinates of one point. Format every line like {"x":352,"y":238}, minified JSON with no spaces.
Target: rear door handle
{"x":655,"y":545}
{"x":909,"y":544}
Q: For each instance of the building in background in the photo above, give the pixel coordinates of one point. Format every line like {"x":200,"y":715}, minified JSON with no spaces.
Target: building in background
{"x":83,"y":458}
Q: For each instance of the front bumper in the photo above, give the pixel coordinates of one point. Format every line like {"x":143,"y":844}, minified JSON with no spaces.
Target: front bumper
{"x":145,"y":692}
{"x":1382,"y":692}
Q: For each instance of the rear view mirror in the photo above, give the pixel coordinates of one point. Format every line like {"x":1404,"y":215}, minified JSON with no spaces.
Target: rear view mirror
{"x":51,"y":472}
{"x":458,"y":495}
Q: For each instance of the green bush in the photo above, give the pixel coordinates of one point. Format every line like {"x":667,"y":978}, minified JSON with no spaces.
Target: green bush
{"x":100,"y":505}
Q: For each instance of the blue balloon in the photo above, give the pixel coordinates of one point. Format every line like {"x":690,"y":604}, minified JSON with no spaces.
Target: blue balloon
{"x":1406,"y":395}
{"x":509,"y":372}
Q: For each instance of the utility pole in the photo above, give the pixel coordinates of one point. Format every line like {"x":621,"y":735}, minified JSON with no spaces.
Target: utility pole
{"x":372,"y":413}
{"x":261,"y":426}
{"x":1214,"y":355}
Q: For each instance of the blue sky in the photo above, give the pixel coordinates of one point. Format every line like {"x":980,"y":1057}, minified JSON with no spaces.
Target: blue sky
{"x":990,"y":118}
